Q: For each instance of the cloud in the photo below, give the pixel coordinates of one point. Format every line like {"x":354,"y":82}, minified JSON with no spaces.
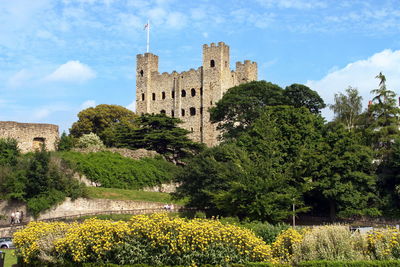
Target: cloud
{"x":295,"y":4}
{"x":132,"y":106}
{"x":360,"y":74}
{"x":45,"y":111}
{"x":88,"y":104}
{"x":72,"y":71}
{"x":20,"y":78}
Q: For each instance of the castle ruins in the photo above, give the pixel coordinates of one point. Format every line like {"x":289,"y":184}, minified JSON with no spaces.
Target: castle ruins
{"x":30,"y":136}
{"x":189,"y":95}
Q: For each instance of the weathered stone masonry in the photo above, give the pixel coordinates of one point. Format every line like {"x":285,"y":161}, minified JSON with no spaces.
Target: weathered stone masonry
{"x":30,"y":136}
{"x":189,"y":95}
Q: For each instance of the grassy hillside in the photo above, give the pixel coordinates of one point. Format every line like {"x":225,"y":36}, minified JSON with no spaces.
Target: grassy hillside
{"x":124,"y":194}
{"x":115,"y":171}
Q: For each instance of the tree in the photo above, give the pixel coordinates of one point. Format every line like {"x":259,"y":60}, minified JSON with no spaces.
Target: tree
{"x":299,"y":95}
{"x":384,"y":115}
{"x":102,"y":120}
{"x":90,"y":140}
{"x":66,"y":142}
{"x":9,"y":151}
{"x":242,"y":105}
{"x":160,"y":133}
{"x":347,"y":107}
{"x":343,"y":174}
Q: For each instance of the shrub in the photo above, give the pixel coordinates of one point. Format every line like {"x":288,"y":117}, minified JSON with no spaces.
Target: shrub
{"x":8,"y":151}
{"x":364,"y":263}
{"x":113,"y":170}
{"x":155,"y":240}
{"x":90,"y":140}
{"x":384,"y":244}
{"x":329,"y":242}
{"x":284,"y":245}
{"x":268,"y":232}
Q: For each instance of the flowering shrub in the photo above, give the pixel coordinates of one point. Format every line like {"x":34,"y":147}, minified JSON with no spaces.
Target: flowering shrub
{"x":156,"y":240}
{"x":384,"y":244}
{"x":284,"y":244}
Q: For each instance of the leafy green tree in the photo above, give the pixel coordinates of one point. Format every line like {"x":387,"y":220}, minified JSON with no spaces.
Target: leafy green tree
{"x":66,"y":142}
{"x":243,"y":104}
{"x":384,"y":115}
{"x":299,"y":95}
{"x":343,"y":173}
{"x":347,"y":107}
{"x":159,"y":133}
{"x":103,"y":121}
{"x":9,"y":151}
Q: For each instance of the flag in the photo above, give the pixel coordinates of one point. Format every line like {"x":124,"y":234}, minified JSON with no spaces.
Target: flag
{"x":145,"y":26}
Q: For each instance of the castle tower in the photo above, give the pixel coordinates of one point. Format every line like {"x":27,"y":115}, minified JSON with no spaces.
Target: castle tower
{"x":145,"y":66}
{"x":189,"y":95}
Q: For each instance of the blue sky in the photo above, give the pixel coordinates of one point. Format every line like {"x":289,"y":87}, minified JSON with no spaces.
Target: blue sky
{"x":60,"y":56}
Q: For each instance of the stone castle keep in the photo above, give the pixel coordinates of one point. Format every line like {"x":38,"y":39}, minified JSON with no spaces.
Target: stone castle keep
{"x":189,"y":95}
{"x":30,"y":136}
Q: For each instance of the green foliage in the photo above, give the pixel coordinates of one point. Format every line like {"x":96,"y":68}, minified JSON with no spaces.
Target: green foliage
{"x":8,"y":151}
{"x":90,"y":140}
{"x":243,"y":104}
{"x":66,"y":142}
{"x":299,"y":95}
{"x":102,"y":120}
{"x":159,"y":133}
{"x":347,"y":108}
{"x":343,"y":173}
{"x":365,"y":263}
{"x":268,"y":232}
{"x":39,"y":181}
{"x":113,"y":170}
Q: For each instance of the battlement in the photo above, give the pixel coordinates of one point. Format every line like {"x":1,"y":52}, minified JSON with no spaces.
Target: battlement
{"x":245,"y":63}
{"x":146,"y":55}
{"x":220,"y":44}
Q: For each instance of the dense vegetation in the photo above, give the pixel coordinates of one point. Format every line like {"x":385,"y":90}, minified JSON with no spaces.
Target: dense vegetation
{"x":113,"y":170}
{"x":35,"y":179}
{"x":277,"y":151}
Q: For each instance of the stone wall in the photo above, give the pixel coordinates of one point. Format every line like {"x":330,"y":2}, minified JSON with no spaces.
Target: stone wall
{"x":188,"y":95}
{"x":80,"y":206}
{"x":30,"y":136}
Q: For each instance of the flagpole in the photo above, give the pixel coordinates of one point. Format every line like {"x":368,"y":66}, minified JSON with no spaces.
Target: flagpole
{"x":148,"y":36}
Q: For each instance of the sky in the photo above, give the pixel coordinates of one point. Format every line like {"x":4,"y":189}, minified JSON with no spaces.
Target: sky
{"x":58,"y":57}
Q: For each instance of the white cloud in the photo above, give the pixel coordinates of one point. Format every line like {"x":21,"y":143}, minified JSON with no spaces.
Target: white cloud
{"x":132,"y":106}
{"x":360,"y":74}
{"x":176,"y":20}
{"x":20,"y":78}
{"x":45,"y":111}
{"x":88,"y":104}
{"x":72,"y":71}
{"x":295,"y":4}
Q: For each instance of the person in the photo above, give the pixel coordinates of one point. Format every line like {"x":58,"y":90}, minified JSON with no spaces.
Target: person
{"x":18,"y":217}
{"x":12,"y":221}
{"x":171,"y":207}
{"x":166,"y":207}
{"x":22,"y":216}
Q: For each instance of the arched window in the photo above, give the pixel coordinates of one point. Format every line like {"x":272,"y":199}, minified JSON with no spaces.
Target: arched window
{"x":162,"y":111}
{"x":192,"y":111}
{"x":154,"y":96}
{"x":172,"y":113}
{"x":143,"y":97}
{"x":212,"y":63}
{"x":191,"y":129}
{"x":38,"y":143}
{"x":193,"y":92}
{"x":183,"y":93}
{"x":173,"y":94}
{"x":163,"y":95}
{"x":141,"y":73}
{"x":183,"y":112}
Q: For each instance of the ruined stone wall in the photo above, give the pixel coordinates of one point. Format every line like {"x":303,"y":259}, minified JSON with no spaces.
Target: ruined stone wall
{"x":30,"y":136}
{"x":190,"y":94}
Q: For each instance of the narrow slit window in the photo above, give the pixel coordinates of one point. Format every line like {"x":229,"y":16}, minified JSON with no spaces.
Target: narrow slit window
{"x":183,"y":93}
{"x":192,"y":111}
{"x":193,"y":92}
{"x":163,"y":95}
{"x":154,"y":96}
{"x":212,"y":63}
{"x":142,"y":97}
{"x":183,"y":112}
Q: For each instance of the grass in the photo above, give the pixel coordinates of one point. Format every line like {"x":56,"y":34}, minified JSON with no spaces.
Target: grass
{"x":125,"y":194}
{"x":10,"y":258}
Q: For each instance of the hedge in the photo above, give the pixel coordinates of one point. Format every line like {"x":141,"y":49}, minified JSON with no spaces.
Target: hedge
{"x":387,"y":263}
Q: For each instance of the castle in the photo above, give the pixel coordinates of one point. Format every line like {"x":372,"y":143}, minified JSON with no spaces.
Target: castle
{"x":190,"y":94}
{"x":30,"y":136}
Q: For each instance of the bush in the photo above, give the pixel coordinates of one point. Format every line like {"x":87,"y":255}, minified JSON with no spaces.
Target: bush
{"x":329,"y":242}
{"x":113,"y":170}
{"x":90,"y":140}
{"x":268,"y":232}
{"x":384,"y":244}
{"x":285,"y":243}
{"x":155,"y":240}
{"x":349,"y":264}
{"x":8,"y":151}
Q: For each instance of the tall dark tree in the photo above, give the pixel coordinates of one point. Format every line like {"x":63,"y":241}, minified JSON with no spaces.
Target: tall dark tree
{"x":347,"y":107}
{"x":299,"y":95}
{"x":243,"y":104}
{"x":343,"y":173}
{"x":160,"y":133}
{"x":102,"y":120}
